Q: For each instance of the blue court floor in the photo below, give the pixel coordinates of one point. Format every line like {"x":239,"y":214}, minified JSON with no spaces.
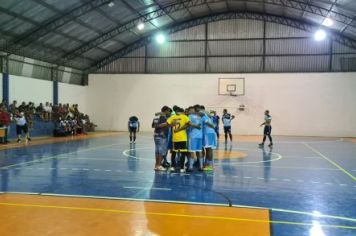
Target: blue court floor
{"x":308,"y":184}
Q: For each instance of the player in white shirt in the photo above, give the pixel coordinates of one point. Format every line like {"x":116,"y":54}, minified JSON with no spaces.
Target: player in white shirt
{"x":21,"y":126}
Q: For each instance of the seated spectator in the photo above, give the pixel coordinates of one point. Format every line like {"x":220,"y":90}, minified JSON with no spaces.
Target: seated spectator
{"x":4,"y":104}
{"x":61,"y":128}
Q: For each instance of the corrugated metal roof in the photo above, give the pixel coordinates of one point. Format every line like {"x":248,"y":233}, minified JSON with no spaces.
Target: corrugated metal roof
{"x":91,"y":28}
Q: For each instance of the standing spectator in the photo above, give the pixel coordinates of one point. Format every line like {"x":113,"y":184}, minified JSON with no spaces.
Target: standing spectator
{"x":22,"y":107}
{"x":21,"y":126}
{"x":47,"y":111}
{"x":40,"y":111}
{"x":5,"y":120}
{"x":30,"y":110}
{"x":13,"y":107}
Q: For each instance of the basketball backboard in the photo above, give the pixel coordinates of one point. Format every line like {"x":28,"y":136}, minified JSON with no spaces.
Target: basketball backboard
{"x":231,"y":86}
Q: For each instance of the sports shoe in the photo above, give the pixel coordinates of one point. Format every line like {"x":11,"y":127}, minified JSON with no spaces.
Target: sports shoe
{"x":270,"y":145}
{"x":166,"y":164}
{"x":261,"y":144}
{"x":172,"y":169}
{"x":208,"y":168}
{"x":182,"y":170}
{"x":160,"y":168}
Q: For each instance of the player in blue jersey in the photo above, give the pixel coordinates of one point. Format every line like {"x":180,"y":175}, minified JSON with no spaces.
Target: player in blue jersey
{"x":195,"y":139}
{"x":209,"y":137}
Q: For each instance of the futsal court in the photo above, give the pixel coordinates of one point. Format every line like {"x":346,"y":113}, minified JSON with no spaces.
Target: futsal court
{"x":244,"y":113}
{"x":301,"y":186}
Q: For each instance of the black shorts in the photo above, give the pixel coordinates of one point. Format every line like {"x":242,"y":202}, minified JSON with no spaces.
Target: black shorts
{"x":227,"y":129}
{"x":132,"y":129}
{"x":180,"y":146}
{"x":20,"y":128}
{"x":267,"y":130}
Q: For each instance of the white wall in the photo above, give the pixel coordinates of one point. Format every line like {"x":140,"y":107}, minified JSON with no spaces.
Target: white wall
{"x":73,"y":94}
{"x":313,"y":104}
{"x":25,"y":89}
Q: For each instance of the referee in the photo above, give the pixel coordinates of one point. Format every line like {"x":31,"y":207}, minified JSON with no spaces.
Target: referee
{"x":267,"y":130}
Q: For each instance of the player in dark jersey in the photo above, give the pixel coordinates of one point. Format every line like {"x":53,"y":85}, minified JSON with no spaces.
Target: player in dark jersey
{"x":133,"y":127}
{"x":216,"y":121}
{"x":160,"y":137}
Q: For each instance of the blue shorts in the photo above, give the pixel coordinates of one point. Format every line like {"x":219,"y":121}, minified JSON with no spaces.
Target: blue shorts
{"x":210,"y":140}
{"x":160,"y":146}
{"x":195,"y":145}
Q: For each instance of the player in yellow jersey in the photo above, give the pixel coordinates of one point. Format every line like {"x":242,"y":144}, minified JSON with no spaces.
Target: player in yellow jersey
{"x":179,"y":137}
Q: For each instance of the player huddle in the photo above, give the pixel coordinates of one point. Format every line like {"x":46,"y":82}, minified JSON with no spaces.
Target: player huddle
{"x":192,"y":134}
{"x":188,"y":134}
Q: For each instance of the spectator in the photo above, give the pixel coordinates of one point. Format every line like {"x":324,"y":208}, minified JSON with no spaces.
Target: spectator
{"x":21,"y":126}
{"x":39,"y":110}
{"x":5,"y":120}
{"x":22,"y":107}
{"x":47,"y":112}
{"x":13,"y":107}
{"x":29,"y":112}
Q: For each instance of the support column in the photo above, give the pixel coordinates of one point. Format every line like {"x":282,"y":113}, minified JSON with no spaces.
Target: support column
{"x":55,"y":92}
{"x":5,"y":87}
{"x":331,"y":55}
{"x":206,"y":49}
{"x":54,"y":77}
{"x":264,"y":47}
{"x":5,"y":78}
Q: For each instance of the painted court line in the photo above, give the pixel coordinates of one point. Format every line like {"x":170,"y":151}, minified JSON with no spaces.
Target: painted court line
{"x":331,"y":161}
{"x":59,"y":156}
{"x":198,"y":175}
{"x":319,"y":215}
{"x":147,"y":188}
{"x":117,"y":211}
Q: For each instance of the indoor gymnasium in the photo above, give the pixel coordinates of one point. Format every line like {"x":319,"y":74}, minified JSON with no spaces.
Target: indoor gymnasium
{"x":178,"y":117}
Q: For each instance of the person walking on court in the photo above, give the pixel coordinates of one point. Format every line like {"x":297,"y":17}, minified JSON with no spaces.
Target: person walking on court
{"x":226,"y":120}
{"x":133,"y":126}
{"x":267,"y":130}
{"x":21,"y":126}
